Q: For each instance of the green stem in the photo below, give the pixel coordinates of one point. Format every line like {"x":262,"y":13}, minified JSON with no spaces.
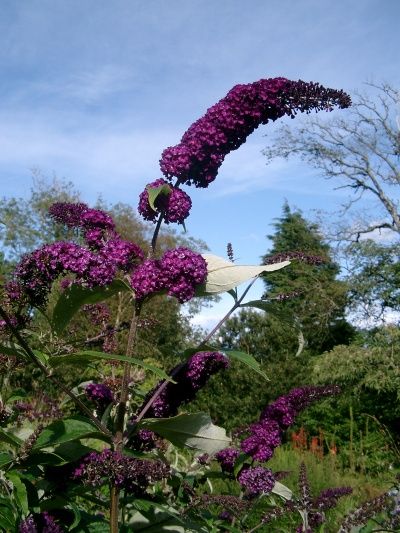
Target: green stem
{"x":164,"y":383}
{"x":158,"y":226}
{"x":235,"y":306}
{"x":120,"y":415}
{"x":31,"y":356}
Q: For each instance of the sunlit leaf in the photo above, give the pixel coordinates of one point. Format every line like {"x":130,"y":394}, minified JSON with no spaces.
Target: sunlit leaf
{"x":19,"y":491}
{"x":72,"y":299}
{"x":9,"y":438}
{"x":195,"y":431}
{"x":247,"y":360}
{"x":88,"y":356}
{"x":67,"y":430}
{"x":282,"y":490}
{"x":223,"y":275}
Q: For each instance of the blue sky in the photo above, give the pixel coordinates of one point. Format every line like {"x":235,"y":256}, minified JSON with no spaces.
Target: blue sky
{"x":93,"y":91}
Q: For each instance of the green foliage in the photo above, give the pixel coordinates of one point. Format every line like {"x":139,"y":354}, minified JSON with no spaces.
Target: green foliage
{"x":374,"y":278}
{"x":368,"y":372}
{"x":318,"y":306}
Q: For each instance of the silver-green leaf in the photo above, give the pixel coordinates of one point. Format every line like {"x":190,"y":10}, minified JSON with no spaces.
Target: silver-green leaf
{"x":223,"y":275}
{"x":194,"y":431}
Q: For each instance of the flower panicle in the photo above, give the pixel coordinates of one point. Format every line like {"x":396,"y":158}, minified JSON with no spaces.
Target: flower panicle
{"x":227,"y":124}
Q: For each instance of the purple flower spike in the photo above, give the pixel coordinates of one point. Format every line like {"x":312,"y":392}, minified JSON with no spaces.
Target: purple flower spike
{"x":128,"y":473}
{"x":80,"y":216}
{"x":68,"y":213}
{"x":190,"y":378}
{"x":265,"y":435}
{"x":227,"y":124}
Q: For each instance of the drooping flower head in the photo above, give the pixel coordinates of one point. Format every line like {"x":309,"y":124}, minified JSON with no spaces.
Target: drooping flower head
{"x":266,"y":434}
{"x":190,"y":378}
{"x":96,"y":225}
{"x":79,"y":215}
{"x":227,"y":124}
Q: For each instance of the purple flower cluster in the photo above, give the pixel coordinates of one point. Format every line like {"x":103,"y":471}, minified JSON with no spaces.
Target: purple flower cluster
{"x":79,"y":215}
{"x":295,"y":256}
{"x":227,"y":458}
{"x":98,"y":314}
{"x":328,"y":498}
{"x":99,"y":393}
{"x":128,"y":473}
{"x":91,"y":267}
{"x":264,"y":438}
{"x":42,"y":523}
{"x":148,"y":279}
{"x":265,"y":435}
{"x":184,"y":270}
{"x":144,"y":440}
{"x":123,"y":254}
{"x":190,"y":378}
{"x":256,"y":480}
{"x":227,"y":124}
{"x":37,"y":270}
{"x":175,"y":204}
{"x":178,"y":272}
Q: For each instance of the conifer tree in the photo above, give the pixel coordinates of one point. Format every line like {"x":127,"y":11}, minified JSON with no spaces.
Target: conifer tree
{"x":307,"y":293}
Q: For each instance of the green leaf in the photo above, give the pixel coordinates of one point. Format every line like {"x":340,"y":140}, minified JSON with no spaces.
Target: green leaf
{"x":67,"y":430}
{"x":17,"y":394}
{"x":5,"y":459}
{"x":194,"y":431}
{"x":223,"y":275}
{"x":154,"y":193}
{"x":13,"y":349}
{"x":20,"y":491}
{"x":7,"y":520}
{"x":259,"y":304}
{"x":73,"y":298}
{"x":43,"y":358}
{"x":282,"y":490}
{"x":87,"y":356}
{"x":9,"y":438}
{"x":159,"y":520}
{"x":248,"y":360}
{"x":233,"y":293}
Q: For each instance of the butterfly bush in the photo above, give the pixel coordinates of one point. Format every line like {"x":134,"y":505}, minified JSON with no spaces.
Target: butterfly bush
{"x":100,"y":256}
